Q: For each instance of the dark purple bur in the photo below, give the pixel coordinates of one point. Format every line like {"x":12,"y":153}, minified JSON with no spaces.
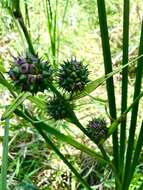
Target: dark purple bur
{"x":31,"y":78}
{"x":20,"y":61}
{"x":32,"y":69}
{"x":12,"y":75}
{"x":24,"y":68}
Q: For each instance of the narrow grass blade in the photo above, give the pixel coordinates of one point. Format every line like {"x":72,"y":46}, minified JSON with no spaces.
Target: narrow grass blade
{"x":4,"y":167}
{"x":27,"y":19}
{"x":16,"y":103}
{"x":39,"y":102}
{"x":51,"y":11}
{"x":134,"y":115}
{"x":108,"y":69}
{"x":124,"y":82}
{"x":61,"y":156}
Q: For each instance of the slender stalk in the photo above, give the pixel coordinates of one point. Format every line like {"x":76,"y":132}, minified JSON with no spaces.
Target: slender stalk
{"x":3,"y":180}
{"x":50,"y":10}
{"x":124,"y":83}
{"x":111,"y":164}
{"x":27,"y":19}
{"x":20,"y":20}
{"x":54,"y":50}
{"x":134,"y":114}
{"x":137,"y":152}
{"x":61,"y":156}
{"x":108,"y":69}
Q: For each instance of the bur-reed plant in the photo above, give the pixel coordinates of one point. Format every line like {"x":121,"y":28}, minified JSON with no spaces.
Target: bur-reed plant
{"x":123,"y":159}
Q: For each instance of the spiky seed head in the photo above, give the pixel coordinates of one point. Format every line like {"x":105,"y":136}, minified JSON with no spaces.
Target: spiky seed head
{"x":30,"y":73}
{"x":97,"y":129}
{"x":73,"y":75}
{"x":57,"y":109}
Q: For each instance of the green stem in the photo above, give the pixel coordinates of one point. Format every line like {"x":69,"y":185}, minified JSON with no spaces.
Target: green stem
{"x":3,"y":181}
{"x":61,"y":156}
{"x":27,"y":19}
{"x":111,"y":164}
{"x":108,"y":69}
{"x":133,"y":116}
{"x":137,"y":152}
{"x":18,"y":16}
{"x":124,"y":83}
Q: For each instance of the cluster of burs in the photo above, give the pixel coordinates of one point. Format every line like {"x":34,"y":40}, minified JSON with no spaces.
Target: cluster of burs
{"x":31,"y":73}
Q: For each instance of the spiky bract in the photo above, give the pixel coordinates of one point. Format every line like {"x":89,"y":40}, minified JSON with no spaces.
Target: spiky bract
{"x":97,"y":129}
{"x":73,"y":76}
{"x":57,"y":109}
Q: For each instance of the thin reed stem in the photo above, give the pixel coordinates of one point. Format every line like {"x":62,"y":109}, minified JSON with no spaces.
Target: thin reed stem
{"x":134,"y":114}
{"x":124,"y":83}
{"x":4,"y":167}
{"x":108,"y":69}
{"x":27,"y":18}
{"x":18,"y":16}
{"x":137,"y":152}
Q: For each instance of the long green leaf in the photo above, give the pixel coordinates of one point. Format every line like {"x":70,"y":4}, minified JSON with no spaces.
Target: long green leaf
{"x":16,"y":103}
{"x":91,"y":86}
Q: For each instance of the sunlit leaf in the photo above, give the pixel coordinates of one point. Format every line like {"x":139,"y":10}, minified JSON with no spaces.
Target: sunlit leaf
{"x":39,"y":102}
{"x":91,"y":86}
{"x":19,"y":100}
